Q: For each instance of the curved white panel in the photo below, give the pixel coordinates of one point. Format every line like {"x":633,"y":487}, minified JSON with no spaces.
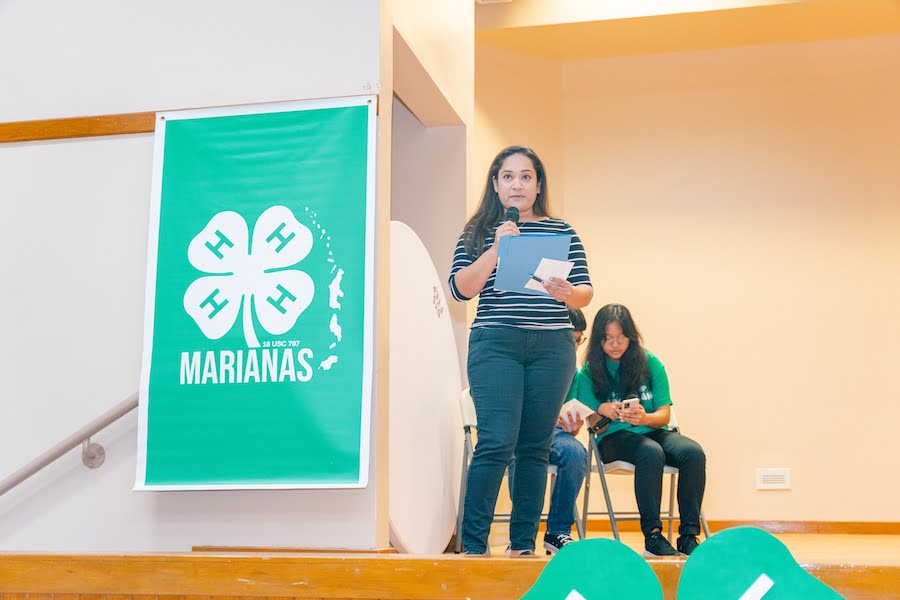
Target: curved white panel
{"x":426,"y":438}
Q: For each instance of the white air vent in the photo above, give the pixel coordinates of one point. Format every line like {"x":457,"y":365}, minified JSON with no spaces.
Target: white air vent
{"x":773,"y":479}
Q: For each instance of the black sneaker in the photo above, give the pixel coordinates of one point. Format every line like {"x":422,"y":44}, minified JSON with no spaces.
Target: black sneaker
{"x":554,"y":541}
{"x":656,"y":544}
{"x":687,"y":543}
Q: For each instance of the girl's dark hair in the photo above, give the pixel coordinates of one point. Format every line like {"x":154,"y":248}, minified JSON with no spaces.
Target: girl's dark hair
{"x":633,"y":369}
{"x":490,"y":211}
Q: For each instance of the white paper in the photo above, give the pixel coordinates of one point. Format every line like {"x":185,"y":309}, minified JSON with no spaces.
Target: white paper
{"x":577,"y":408}
{"x":548,"y":268}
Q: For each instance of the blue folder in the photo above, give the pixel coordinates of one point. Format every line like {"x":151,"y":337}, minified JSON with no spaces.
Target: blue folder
{"x":520,"y":255}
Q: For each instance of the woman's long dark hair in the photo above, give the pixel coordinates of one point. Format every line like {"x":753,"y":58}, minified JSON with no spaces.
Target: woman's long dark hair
{"x":633,"y":369}
{"x":490,"y":211}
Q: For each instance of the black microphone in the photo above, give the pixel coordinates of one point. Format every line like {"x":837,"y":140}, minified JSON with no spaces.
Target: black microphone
{"x":512,"y":214}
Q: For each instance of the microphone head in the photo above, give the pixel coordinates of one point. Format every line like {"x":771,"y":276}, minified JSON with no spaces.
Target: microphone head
{"x":512,"y":214}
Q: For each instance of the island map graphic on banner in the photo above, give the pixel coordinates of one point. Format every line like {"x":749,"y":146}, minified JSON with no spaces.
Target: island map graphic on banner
{"x":257,"y":360}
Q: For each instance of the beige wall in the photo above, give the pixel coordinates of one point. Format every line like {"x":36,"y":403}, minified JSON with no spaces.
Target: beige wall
{"x":518,"y":102}
{"x":440,"y":34}
{"x":743,"y":203}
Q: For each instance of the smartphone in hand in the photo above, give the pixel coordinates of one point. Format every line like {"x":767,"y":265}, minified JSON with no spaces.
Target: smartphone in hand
{"x":630,"y":403}
{"x":626,"y":404}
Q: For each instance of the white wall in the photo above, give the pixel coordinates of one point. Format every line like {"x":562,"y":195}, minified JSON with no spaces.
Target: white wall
{"x":93,"y":57}
{"x":73,"y":253}
{"x":428,"y":194}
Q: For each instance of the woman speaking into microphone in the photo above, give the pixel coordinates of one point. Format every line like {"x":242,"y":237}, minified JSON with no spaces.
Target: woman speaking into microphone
{"x":521,"y":350}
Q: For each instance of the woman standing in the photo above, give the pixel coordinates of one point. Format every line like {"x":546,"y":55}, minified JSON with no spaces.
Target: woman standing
{"x":521,"y":350}
{"x":618,"y":367}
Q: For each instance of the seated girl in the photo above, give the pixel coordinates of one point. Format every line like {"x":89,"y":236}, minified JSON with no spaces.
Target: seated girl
{"x":618,"y":367}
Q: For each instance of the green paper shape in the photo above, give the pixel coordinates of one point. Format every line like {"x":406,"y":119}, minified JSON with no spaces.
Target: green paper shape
{"x":749,"y":563}
{"x":596,"y":569}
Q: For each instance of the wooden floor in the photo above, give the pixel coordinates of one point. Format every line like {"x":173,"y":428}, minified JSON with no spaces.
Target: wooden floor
{"x":859,"y":567}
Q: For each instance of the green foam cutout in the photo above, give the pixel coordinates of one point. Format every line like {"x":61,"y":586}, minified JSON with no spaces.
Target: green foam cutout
{"x":596,"y":569}
{"x":749,"y":564}
{"x":743,"y":563}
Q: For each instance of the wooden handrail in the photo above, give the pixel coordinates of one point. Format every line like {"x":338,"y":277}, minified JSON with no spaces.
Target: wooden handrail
{"x":77,"y":127}
{"x":97,"y":125}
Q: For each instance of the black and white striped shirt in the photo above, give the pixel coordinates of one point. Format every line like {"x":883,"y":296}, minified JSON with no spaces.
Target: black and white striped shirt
{"x":513,"y":309}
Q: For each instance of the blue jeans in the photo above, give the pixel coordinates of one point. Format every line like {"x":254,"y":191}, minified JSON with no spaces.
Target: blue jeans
{"x":649,"y":453}
{"x":570,"y":459}
{"x":518,"y":379}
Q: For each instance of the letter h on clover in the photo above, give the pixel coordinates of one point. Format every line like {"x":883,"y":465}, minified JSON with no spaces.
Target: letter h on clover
{"x":249,"y":278}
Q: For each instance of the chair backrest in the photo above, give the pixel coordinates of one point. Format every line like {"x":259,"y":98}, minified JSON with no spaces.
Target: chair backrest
{"x":467,"y":409}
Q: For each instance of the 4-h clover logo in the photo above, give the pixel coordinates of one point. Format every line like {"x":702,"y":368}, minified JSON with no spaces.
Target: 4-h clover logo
{"x":249,"y":278}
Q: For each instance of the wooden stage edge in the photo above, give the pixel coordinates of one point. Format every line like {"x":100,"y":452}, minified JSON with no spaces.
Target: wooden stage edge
{"x":776,"y":527}
{"x":200,"y":576}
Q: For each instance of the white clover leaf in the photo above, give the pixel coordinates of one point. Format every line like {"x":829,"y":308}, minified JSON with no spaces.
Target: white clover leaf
{"x":214,"y":303}
{"x":280,"y":297}
{"x":222,"y":245}
{"x":255,"y":278}
{"x":279,"y":240}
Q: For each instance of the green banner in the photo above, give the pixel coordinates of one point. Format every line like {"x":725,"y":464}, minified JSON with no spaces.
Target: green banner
{"x":257,"y":362}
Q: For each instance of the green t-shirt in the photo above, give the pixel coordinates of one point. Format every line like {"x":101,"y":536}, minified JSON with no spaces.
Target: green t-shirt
{"x":653,"y":393}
